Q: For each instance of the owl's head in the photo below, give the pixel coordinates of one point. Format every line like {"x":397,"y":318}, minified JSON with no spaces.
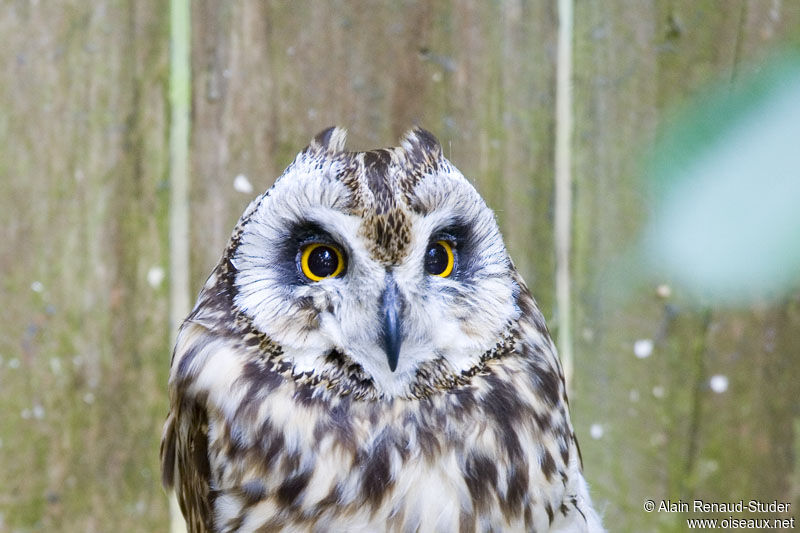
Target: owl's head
{"x":389,"y":259}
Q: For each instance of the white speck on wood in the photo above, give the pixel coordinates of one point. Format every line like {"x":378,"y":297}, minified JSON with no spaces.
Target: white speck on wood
{"x":242,"y":184}
{"x":718,"y":383}
{"x":643,"y":348}
{"x":155,"y":276}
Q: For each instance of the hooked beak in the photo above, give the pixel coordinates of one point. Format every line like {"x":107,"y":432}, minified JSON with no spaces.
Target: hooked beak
{"x":390,"y":310}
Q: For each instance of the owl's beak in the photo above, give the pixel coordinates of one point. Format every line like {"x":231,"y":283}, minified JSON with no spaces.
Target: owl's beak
{"x":390,"y":309}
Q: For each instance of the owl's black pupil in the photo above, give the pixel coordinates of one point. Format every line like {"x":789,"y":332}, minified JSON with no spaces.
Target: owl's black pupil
{"x":436,"y":259}
{"x":322,"y":261}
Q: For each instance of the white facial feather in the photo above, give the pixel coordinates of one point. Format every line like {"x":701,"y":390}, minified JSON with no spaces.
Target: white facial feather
{"x":435,"y":322}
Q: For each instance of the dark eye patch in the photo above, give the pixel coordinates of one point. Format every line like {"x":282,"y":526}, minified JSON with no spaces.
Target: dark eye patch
{"x":462,"y":238}
{"x":288,"y":253}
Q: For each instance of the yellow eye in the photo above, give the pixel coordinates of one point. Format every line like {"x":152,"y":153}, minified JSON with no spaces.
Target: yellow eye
{"x":319,"y":261}
{"x":439,"y":259}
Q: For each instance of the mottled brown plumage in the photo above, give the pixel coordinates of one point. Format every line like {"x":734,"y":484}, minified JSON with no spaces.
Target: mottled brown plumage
{"x":284,"y":413}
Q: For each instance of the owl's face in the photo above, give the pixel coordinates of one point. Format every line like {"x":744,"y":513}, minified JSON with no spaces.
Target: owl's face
{"x":389,"y":259}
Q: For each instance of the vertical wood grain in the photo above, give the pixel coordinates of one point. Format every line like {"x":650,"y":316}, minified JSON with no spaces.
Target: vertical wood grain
{"x":83,"y":209}
{"x":665,"y":433}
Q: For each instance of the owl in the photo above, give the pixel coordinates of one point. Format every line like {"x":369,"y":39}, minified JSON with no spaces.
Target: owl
{"x":366,"y":358}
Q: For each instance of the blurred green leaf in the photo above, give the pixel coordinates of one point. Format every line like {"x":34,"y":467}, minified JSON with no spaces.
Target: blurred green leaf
{"x":726,"y":173}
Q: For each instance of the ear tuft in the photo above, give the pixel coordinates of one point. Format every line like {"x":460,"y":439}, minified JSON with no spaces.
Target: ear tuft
{"x":420,"y":144}
{"x":329,"y":141}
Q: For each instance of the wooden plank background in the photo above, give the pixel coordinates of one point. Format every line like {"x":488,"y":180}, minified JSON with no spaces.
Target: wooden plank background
{"x":84,"y":128}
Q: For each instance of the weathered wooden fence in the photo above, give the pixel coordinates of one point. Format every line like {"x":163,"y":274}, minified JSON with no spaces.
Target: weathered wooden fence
{"x":84,"y":210}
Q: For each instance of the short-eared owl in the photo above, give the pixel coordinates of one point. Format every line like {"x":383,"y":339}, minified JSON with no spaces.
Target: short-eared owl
{"x":365,"y":358}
